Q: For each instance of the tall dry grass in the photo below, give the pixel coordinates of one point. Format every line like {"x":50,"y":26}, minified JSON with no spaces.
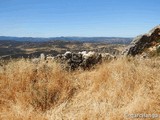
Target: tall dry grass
{"x":45,"y":91}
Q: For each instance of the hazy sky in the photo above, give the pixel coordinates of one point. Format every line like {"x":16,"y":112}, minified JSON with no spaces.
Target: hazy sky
{"x":50,"y":18}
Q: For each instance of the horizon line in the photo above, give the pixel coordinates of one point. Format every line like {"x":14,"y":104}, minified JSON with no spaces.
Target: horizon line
{"x":65,"y":36}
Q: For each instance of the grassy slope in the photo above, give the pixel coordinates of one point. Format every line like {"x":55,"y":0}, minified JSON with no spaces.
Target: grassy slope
{"x":45,"y":91}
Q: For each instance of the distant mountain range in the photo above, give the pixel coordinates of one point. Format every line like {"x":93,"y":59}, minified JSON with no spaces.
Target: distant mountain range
{"x":110,"y":40}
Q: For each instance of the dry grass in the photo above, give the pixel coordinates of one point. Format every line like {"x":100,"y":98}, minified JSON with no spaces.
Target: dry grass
{"x":46,"y":92}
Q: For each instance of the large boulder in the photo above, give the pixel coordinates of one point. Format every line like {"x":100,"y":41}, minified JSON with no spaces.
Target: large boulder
{"x":143,"y":42}
{"x":84,"y":60}
{"x":90,"y":59}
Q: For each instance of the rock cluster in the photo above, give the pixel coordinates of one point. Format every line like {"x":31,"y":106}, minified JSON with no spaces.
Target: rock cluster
{"x":82,"y":59}
{"x":72,"y":61}
{"x":144,"y":42}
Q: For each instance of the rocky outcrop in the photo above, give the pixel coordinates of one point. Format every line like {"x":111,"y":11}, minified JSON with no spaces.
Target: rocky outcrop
{"x":143,"y":42}
{"x":84,"y":60}
{"x":81,"y":59}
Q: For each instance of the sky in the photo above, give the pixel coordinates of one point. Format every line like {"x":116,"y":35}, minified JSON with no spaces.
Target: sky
{"x":87,"y":18}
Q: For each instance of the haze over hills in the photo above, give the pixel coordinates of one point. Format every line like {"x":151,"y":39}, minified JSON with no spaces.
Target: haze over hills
{"x":111,"y":40}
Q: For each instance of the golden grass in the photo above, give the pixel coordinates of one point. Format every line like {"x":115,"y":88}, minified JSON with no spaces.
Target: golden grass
{"x":46,"y":92}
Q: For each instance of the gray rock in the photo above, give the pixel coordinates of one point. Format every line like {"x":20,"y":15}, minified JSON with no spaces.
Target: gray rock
{"x":73,"y":61}
{"x":42,"y":56}
{"x":82,"y":60}
{"x":142,"y":42}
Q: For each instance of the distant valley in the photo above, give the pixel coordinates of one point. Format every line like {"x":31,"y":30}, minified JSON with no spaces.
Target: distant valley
{"x":27,"y":47}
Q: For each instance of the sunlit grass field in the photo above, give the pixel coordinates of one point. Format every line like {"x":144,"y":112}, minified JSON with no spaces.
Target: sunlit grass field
{"x":110,"y":91}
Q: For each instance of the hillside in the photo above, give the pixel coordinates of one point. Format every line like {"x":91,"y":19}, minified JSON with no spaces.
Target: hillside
{"x":30,"y":49}
{"x":111,"y":91}
{"x":82,"y":85}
